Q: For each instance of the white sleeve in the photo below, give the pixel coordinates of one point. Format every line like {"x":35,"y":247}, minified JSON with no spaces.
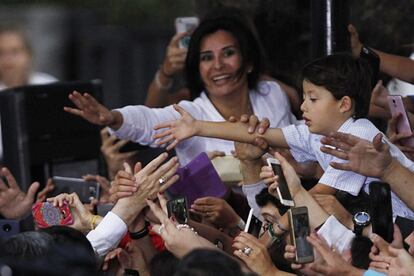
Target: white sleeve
{"x":139,"y":121}
{"x":250,"y":191}
{"x":336,"y":234}
{"x":299,"y":140}
{"x":107,"y":234}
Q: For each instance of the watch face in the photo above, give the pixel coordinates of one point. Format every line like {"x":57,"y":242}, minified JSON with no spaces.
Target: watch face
{"x":362,"y":217}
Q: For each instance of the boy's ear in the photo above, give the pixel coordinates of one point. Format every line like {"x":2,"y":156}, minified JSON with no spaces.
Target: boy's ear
{"x":346,"y":104}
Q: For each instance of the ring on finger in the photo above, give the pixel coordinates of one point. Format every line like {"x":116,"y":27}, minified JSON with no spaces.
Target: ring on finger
{"x":161,"y":180}
{"x":247,"y":251}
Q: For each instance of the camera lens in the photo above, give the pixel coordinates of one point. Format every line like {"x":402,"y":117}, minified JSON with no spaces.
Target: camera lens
{"x":7,"y":228}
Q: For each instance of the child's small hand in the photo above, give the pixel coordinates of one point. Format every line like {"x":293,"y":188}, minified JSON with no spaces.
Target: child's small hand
{"x":177,"y":130}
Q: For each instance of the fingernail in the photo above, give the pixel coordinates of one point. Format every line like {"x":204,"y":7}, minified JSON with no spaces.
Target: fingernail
{"x":261,"y":130}
{"x":250,"y":129}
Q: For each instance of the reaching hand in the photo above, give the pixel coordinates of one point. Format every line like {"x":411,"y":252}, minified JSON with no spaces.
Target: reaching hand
{"x":366,"y":158}
{"x":49,"y":187}
{"x":216,"y":211}
{"x":81,"y":216}
{"x":398,"y":138}
{"x":91,"y":110}
{"x":124,"y":184}
{"x":110,"y":149}
{"x":332,"y":206}
{"x":176,"y":130}
{"x":291,"y":177}
{"x":174,"y":60}
{"x":179,"y":239}
{"x":356,"y":44}
{"x":104,"y":187}
{"x":258,"y":260}
{"x":14,"y":203}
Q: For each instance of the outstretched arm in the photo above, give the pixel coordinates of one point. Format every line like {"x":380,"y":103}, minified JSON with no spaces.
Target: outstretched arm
{"x":188,"y":127}
{"x":371,"y":159}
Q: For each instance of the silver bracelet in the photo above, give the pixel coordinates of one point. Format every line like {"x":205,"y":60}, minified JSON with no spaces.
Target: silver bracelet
{"x":160,"y":85}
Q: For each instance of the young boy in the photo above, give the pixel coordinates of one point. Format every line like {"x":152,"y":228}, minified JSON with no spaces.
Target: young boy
{"x":336,"y":95}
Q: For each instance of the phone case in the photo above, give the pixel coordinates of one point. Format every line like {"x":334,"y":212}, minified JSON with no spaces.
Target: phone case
{"x":46,"y":215}
{"x":299,"y":230}
{"x":396,"y":106}
{"x":185,"y":24}
{"x":381,"y":210}
{"x":283,"y":189}
{"x":177,"y":208}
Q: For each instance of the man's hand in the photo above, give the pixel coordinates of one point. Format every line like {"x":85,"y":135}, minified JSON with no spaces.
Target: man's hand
{"x":216,"y":211}
{"x":14,"y":203}
{"x":366,"y":158}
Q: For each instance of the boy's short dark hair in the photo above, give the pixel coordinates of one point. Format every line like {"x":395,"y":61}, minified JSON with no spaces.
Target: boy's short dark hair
{"x":342,"y":75}
{"x":263,"y":198}
{"x":236,"y":22}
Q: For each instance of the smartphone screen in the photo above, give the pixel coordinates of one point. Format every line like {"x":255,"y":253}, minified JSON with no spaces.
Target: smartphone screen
{"x":253,"y":225}
{"x":299,"y":226}
{"x":283,"y":189}
{"x":381,"y":210}
{"x":177,"y":208}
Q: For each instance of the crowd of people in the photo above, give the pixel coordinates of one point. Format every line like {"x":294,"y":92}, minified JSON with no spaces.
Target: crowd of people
{"x":333,"y":159}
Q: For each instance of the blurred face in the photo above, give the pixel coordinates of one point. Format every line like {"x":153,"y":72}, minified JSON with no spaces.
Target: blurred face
{"x":220,"y":60}
{"x":270,"y":213}
{"x":15,"y":59}
{"x":410,"y":241}
{"x":321,"y":111}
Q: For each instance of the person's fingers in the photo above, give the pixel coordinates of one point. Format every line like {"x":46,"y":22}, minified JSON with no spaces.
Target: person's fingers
{"x":244,"y":118}
{"x":253,"y":121}
{"x":164,"y":137}
{"x":215,"y":153}
{"x":123,"y":186}
{"x":397,"y":240}
{"x":155,"y":163}
{"x":261,"y":143}
{"x":233,"y":119}
{"x":118,"y":195}
{"x":160,"y":126}
{"x":158,"y":212}
{"x":349,"y":139}
{"x":73,"y":111}
{"x":127,"y":168}
{"x":166,"y":170}
{"x":337,"y":153}
{"x":31,"y":192}
{"x":172,"y":145}
{"x":207,"y":200}
{"x":137,"y":168}
{"x":117,"y":145}
{"x":163,"y":202}
{"x":202,"y":208}
{"x":176,"y":38}
{"x":340,"y":166}
{"x":169,"y":183}
{"x":108,"y":142}
{"x":10,"y":179}
{"x":263,"y":125}
{"x":378,"y":144}
{"x":379,"y":242}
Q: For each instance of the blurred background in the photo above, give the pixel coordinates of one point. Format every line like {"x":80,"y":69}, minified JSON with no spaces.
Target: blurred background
{"x":123,"y":42}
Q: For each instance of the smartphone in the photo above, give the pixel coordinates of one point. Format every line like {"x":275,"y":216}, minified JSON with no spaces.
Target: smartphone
{"x":381,"y":210}
{"x":185,"y":24}
{"x":374,"y":62}
{"x":177,"y":208}
{"x":46,"y":215}
{"x":299,"y":230}
{"x":283,"y":189}
{"x":396,"y":106}
{"x":253,"y":225}
{"x":86,"y":190}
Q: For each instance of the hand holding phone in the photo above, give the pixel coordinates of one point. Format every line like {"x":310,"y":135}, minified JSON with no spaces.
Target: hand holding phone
{"x":46,"y":215}
{"x":185,"y":24}
{"x":283,"y":188}
{"x":299,"y":230}
{"x":253,"y":225}
{"x":403,"y":126}
{"x":381,"y":210}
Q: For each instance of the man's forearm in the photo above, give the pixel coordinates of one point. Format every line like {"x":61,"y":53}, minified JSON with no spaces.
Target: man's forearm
{"x":400,"y":179}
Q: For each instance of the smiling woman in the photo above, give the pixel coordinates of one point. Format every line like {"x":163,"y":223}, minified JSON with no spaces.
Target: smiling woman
{"x":223,"y":67}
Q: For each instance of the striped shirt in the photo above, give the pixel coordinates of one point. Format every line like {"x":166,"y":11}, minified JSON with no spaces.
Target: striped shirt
{"x":305,"y":146}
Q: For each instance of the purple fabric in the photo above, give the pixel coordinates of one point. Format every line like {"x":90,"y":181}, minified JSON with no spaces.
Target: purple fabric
{"x":198,"y":179}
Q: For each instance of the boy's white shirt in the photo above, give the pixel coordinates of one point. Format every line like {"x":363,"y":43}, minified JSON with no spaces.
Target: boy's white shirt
{"x":305,"y":146}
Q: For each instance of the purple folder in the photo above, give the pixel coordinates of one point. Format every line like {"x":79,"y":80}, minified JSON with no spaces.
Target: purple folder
{"x":198,"y":179}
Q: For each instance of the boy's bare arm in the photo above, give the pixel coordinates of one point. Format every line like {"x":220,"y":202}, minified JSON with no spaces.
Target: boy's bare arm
{"x":186,"y":127}
{"x":238,"y":132}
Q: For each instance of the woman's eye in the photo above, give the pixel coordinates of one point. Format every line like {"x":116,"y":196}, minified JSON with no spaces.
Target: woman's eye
{"x":229,"y":52}
{"x":206,"y":57}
